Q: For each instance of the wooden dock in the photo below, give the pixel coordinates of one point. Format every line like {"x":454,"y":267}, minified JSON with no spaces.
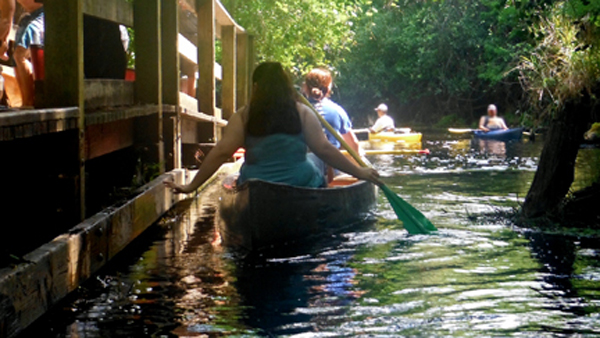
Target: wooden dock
{"x":63,"y":157}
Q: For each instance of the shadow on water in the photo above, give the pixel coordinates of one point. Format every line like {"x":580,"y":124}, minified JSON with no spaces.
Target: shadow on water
{"x":476,"y":277}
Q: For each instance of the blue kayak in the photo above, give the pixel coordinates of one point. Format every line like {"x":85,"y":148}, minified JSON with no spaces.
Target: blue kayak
{"x":500,"y":135}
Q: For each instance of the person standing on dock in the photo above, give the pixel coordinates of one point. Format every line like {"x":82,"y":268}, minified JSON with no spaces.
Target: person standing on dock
{"x":30,"y":32}
{"x":492,"y":121}
{"x":384,"y":122}
{"x":276,"y":130}
{"x":7,"y":13}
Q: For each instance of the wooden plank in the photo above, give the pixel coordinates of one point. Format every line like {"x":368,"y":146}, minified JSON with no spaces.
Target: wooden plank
{"x":189,"y":51}
{"x":189,"y":131}
{"x":242,"y":71}
{"x":119,"y":11}
{"x":148,"y":84}
{"x":63,"y":54}
{"x":251,"y":63}
{"x":60,"y":266}
{"x":120,"y":113}
{"x":170,"y":80}
{"x":223,"y":18}
{"x":188,"y":111}
{"x":228,"y":93}
{"x":101,"y":93}
{"x":206,"y":64}
{"x":37,"y":116}
{"x":102,"y":139}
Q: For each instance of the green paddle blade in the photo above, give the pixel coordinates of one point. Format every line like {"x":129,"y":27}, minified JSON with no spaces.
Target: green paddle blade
{"x":414,"y":221}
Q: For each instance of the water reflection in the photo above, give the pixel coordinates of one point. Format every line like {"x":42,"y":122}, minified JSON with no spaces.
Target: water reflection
{"x":492,"y":147}
{"x":479,"y":276}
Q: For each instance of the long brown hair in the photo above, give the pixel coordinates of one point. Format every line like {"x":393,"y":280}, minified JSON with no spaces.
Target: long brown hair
{"x":317,"y":83}
{"x":273,"y":105}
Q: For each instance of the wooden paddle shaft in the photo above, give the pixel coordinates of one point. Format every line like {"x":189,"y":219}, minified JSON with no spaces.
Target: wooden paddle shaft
{"x":335,"y":134}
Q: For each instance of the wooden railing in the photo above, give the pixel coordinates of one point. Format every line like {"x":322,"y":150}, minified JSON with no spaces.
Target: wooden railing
{"x":172,"y":38}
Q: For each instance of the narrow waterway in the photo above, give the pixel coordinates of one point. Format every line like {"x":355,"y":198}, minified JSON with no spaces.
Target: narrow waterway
{"x":480,"y":276}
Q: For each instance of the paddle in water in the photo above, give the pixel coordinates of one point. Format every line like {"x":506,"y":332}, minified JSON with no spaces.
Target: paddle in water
{"x":413,"y":220}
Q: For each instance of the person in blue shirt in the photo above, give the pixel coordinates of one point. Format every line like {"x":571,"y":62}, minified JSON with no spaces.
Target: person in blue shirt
{"x":30,"y":32}
{"x":317,"y":88}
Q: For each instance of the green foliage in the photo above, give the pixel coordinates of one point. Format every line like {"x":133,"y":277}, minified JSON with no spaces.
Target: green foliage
{"x":297,"y":33}
{"x":449,"y":121}
{"x":131,"y":48}
{"x":429,"y":59}
{"x":565,"y":62}
{"x":453,"y":56}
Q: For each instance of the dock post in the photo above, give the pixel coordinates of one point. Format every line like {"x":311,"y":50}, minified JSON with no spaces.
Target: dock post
{"x":170,"y":80}
{"x":228,"y":42}
{"x":242,"y":70}
{"x":251,"y":63}
{"x":63,"y":83}
{"x":205,"y":10}
{"x":147,"y":27}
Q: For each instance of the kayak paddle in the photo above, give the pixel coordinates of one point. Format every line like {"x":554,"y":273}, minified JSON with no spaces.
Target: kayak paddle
{"x":461,"y":131}
{"x":413,"y":220}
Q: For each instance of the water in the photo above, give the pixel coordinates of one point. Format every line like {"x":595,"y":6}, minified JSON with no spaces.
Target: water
{"x":479,"y":277}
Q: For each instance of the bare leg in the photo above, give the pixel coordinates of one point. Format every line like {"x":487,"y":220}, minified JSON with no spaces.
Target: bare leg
{"x":24,"y":74}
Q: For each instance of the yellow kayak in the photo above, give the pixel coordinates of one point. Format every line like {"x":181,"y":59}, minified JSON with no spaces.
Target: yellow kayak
{"x":396,"y":137}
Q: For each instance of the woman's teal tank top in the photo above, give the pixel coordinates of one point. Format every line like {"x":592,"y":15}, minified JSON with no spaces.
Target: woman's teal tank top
{"x":280,"y":158}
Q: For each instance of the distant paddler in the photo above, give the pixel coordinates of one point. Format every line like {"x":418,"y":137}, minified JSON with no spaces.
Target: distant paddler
{"x":492,"y":121}
{"x":384,"y":122}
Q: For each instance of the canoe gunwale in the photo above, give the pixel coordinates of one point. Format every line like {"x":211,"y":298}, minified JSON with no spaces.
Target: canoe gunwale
{"x":260,"y":214}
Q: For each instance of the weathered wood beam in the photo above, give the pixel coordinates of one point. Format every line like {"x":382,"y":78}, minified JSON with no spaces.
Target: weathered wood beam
{"x":206,"y":64}
{"x":36,"y":116}
{"x":228,"y":43}
{"x":170,"y":81}
{"x":100,"y":93}
{"x":102,"y":139}
{"x":63,"y":83}
{"x":118,"y":11}
{"x":242,"y":70}
{"x":120,"y":113}
{"x":251,"y":63}
{"x":188,"y":106}
{"x":189,"y":51}
{"x":148,"y":84}
{"x":59,"y":267}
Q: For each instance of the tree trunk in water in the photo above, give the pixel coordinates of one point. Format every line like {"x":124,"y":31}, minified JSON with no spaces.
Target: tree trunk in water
{"x":556,"y":169}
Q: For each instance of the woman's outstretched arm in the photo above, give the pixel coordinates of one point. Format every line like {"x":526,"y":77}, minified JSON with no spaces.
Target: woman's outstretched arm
{"x":318,"y":144}
{"x":233,"y":139}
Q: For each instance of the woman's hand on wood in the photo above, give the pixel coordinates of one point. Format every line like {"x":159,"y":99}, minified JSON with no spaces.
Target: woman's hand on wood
{"x":176,"y":188}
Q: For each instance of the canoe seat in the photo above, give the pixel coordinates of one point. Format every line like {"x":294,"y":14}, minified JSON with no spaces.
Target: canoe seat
{"x":342,"y":181}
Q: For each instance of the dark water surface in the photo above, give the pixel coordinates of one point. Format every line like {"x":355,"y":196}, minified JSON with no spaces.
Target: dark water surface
{"x":478,"y":277}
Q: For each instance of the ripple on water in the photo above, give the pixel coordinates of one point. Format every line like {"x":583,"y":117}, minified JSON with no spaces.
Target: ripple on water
{"x":475,"y":277}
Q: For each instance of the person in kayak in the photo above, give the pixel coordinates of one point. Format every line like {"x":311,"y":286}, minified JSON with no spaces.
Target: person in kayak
{"x":317,"y":89}
{"x":276,"y":130}
{"x":492,"y":121}
{"x":384,"y":122}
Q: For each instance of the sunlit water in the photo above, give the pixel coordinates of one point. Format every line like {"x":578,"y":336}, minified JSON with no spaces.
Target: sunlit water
{"x":478,"y":277}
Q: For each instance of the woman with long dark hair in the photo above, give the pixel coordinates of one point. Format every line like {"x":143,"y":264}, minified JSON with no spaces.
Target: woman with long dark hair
{"x":276,"y":130}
